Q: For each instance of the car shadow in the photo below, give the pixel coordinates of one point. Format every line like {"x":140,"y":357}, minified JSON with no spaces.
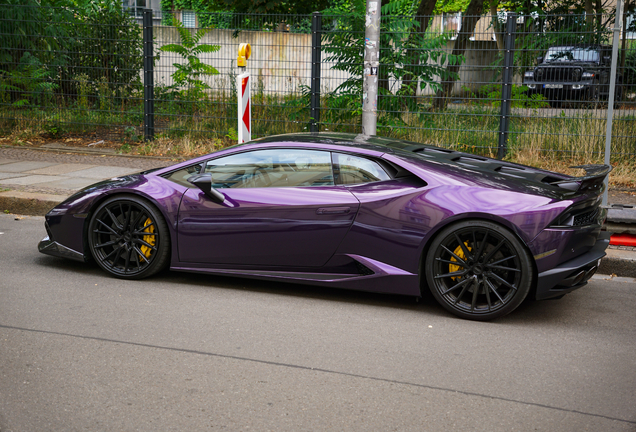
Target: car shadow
{"x":548,"y":312}
{"x":208,"y":281}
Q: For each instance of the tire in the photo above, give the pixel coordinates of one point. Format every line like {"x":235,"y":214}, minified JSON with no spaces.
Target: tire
{"x":129,"y":238}
{"x":478,"y":270}
{"x":594,"y":97}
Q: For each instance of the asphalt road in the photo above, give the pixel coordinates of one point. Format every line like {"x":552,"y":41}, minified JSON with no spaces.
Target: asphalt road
{"x":82,"y":351}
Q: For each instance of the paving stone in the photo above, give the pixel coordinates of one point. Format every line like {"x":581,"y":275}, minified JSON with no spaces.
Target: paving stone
{"x":31,"y":180}
{"x":139,"y":163}
{"x":10,"y":175}
{"x":72,"y":184}
{"x":103,"y":172}
{"x":61,"y":169}
{"x":25,"y":166}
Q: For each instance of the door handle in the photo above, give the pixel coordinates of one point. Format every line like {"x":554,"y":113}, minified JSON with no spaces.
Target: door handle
{"x":333,"y":210}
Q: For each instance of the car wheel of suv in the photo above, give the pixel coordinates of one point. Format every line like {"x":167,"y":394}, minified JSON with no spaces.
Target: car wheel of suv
{"x":594,"y":96}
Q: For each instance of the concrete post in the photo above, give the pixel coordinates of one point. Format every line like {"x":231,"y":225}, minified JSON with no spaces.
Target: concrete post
{"x":371,"y":68}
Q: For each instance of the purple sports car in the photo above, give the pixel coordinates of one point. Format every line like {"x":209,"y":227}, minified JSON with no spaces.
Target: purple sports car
{"x":363,"y":213}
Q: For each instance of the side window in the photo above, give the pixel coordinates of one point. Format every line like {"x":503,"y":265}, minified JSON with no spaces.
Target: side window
{"x":271,"y":168}
{"x":351,"y":169}
{"x":181,"y":176}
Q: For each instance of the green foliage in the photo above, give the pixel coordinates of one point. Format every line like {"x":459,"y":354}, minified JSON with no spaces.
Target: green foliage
{"x":189,"y":74}
{"x":232,"y":134}
{"x":188,"y":77}
{"x":54,"y":128}
{"x":105,"y":94}
{"x":131,"y":135}
{"x":28,"y":84}
{"x":274,"y":6}
{"x":405,"y":52}
{"x":28,"y":26}
{"x":450,"y":6}
{"x":118,"y":57}
{"x":105,"y":43}
{"x":520,"y":97}
{"x":629,"y":75}
{"x":83,"y":91}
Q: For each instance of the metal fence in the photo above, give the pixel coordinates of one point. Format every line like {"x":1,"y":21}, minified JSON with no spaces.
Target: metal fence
{"x":487,"y":84}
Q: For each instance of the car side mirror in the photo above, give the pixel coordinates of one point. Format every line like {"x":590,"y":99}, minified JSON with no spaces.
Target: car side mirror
{"x":539,"y":60}
{"x":204,"y":182}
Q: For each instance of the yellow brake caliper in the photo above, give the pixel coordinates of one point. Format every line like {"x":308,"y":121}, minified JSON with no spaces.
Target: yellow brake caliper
{"x":452,"y":268}
{"x":150,"y":239}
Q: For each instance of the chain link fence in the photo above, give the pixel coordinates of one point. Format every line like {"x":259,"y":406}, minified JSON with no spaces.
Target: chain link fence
{"x":485,"y":84}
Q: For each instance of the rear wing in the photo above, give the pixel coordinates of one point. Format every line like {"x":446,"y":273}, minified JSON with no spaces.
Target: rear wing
{"x":592,"y":180}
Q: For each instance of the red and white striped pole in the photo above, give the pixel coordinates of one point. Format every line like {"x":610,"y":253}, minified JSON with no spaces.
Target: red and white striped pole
{"x":244,"y":100}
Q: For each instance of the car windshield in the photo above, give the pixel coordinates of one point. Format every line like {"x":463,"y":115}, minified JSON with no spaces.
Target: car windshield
{"x":572,"y":54}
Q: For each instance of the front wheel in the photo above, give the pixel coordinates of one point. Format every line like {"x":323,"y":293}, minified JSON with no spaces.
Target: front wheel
{"x":478,"y":270}
{"x":128,"y":237}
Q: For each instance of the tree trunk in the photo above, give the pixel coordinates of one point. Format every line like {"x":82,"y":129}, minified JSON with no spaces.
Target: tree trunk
{"x":469,"y":22}
{"x":496,"y":26}
{"x":589,"y":13}
{"x":624,"y":36}
{"x":409,"y":80}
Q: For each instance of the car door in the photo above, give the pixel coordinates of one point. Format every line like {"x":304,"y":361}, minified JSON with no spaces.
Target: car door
{"x":281,"y":208}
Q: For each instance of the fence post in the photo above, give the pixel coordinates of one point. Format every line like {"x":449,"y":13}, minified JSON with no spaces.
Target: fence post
{"x":371,"y":69}
{"x":316,"y":51}
{"x":618,"y":22}
{"x":149,"y":98}
{"x":506,"y":85}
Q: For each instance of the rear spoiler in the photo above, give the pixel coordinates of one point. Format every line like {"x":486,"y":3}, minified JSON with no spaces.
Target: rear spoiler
{"x":592,"y":180}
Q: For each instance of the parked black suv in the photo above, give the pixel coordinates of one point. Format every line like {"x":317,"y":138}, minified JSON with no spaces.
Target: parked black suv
{"x":573,"y":72}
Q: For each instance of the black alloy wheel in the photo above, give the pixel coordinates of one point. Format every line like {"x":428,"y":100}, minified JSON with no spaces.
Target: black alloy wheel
{"x":478,"y":270}
{"x":129,"y":238}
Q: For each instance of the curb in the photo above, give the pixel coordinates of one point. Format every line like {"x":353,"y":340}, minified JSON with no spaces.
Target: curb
{"x":619,"y":262}
{"x":28,"y":203}
{"x":61,"y":148}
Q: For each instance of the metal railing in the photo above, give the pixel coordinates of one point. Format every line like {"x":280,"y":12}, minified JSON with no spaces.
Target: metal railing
{"x":511,"y":84}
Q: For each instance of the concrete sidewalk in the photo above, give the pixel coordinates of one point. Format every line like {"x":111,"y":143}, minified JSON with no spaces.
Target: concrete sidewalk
{"x":34,"y":181}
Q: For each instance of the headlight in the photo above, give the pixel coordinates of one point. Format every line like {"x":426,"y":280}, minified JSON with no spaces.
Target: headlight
{"x":57,"y":211}
{"x":538,"y":74}
{"x":576,"y":74}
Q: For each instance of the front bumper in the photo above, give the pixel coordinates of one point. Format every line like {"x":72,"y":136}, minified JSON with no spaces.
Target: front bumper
{"x":50,"y":247}
{"x":572,"y":274}
{"x":578,"y":90}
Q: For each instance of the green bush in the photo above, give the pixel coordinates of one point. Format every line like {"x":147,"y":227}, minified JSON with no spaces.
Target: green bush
{"x":520,"y":97}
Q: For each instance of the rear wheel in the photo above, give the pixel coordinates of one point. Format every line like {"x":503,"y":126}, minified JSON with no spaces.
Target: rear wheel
{"x":129,"y":238}
{"x":478,"y":270}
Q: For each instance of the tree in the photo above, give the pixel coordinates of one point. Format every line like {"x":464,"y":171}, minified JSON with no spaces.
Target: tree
{"x":407,"y":54}
{"x":246,"y":6}
{"x":188,"y":76}
{"x":422,"y":18}
{"x":468,"y":23}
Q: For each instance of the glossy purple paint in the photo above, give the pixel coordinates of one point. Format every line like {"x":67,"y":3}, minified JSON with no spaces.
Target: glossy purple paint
{"x":370,"y":236}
